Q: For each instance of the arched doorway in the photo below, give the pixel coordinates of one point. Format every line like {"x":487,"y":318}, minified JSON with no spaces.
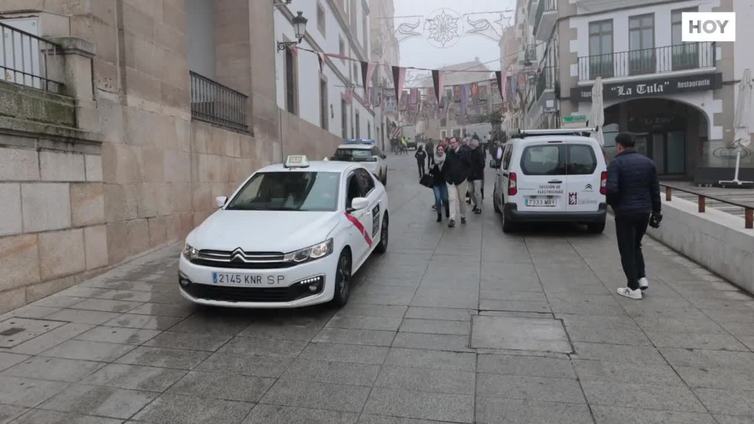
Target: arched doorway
{"x":672,"y":133}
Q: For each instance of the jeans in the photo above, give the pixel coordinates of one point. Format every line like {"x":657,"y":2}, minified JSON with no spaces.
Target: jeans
{"x":475,"y":189}
{"x":630,"y":229}
{"x":420,"y":164}
{"x":457,"y":198}
{"x":441,"y":196}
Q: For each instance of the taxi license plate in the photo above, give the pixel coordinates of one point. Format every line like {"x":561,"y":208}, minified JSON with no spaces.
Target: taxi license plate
{"x":232,"y":278}
{"x":541,"y":202}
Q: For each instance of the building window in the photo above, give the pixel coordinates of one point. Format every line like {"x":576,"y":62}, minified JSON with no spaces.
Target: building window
{"x":356,"y":78}
{"x":291,"y":89}
{"x":369,"y":130}
{"x":341,"y":48}
{"x":353,"y":11}
{"x":601,"y":49}
{"x":343,"y":119}
{"x":321,"y":19}
{"x":641,"y":43}
{"x":323,"y":118}
{"x":358,"y":125}
{"x":685,"y":55}
{"x":365,"y":31}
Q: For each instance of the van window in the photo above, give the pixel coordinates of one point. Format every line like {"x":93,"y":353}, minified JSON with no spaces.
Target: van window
{"x":581,"y":160}
{"x":507,"y":156}
{"x":543,"y":160}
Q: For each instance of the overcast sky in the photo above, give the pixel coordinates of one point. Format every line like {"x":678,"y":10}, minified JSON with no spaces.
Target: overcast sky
{"x":418,"y":51}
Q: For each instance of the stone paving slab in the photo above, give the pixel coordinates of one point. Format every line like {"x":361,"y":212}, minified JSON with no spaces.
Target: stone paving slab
{"x":454,"y":325}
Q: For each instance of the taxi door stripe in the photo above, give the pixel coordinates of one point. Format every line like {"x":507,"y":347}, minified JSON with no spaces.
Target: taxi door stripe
{"x":356,"y":223}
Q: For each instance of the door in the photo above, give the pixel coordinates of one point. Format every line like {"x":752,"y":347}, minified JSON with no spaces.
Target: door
{"x":541,"y":185}
{"x":361,"y":220}
{"x":675,"y":153}
{"x":657,"y":152}
{"x":583,"y":179}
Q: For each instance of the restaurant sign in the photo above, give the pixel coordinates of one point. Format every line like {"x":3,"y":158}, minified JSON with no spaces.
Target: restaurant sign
{"x":651,"y":88}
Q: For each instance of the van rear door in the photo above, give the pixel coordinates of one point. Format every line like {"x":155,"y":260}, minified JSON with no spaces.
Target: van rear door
{"x":542,"y":183}
{"x":583,"y":178}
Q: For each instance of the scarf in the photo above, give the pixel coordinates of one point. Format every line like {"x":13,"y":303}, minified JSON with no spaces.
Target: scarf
{"x":440,"y":159}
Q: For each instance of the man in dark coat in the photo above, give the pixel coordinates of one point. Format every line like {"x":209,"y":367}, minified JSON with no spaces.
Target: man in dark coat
{"x":633,"y":191}
{"x":457,"y":169}
{"x":476,"y":175}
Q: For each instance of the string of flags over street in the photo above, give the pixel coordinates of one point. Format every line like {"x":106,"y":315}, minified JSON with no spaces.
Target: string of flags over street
{"x":462,"y":91}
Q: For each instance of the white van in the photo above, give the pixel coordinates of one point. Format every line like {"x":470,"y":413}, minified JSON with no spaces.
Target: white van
{"x":552,"y":176}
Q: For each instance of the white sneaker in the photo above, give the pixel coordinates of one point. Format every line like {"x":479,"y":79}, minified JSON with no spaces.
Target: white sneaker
{"x":643,"y":283}
{"x":631,"y":294}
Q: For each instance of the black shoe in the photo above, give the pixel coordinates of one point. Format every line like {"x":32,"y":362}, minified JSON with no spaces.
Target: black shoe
{"x":439,"y":217}
{"x":463,"y":220}
{"x":477,"y":211}
{"x":452,"y":223}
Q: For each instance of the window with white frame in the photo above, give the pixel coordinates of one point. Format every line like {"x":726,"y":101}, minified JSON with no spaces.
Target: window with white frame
{"x":321,"y":19}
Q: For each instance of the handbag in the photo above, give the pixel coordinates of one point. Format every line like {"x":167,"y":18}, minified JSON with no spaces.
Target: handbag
{"x":427,"y":181}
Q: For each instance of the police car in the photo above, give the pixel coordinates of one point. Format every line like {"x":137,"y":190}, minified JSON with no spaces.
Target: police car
{"x":291,"y":235}
{"x":552,"y":176}
{"x":366,"y":153}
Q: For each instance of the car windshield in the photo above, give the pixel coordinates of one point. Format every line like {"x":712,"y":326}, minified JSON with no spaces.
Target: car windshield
{"x":354,"y":155}
{"x":288,"y":191}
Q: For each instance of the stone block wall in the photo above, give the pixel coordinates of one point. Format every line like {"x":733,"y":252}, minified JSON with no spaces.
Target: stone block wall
{"x":52,"y":230}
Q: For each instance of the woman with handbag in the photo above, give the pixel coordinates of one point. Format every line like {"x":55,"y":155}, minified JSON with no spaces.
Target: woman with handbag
{"x":439,"y":187}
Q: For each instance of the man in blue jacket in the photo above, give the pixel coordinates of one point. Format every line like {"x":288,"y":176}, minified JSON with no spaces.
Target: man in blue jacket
{"x":634,"y":193}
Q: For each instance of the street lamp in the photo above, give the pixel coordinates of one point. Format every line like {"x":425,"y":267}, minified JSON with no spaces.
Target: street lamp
{"x":299,"y":26}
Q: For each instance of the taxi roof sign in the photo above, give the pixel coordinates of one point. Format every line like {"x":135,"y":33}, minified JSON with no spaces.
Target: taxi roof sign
{"x":296,"y":161}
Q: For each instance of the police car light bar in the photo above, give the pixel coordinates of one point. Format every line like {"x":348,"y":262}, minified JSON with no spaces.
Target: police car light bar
{"x":359,"y":141}
{"x":556,"y":131}
{"x":296,"y":161}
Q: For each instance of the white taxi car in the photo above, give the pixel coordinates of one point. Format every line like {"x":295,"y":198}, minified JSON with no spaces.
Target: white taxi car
{"x":290,"y":236}
{"x":366,"y":153}
{"x":552,"y":176}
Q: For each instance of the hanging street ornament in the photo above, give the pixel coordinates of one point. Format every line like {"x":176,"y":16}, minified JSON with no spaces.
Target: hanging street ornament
{"x":444,"y":28}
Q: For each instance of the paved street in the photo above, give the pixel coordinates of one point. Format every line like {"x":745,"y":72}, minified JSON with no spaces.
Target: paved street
{"x":451,"y":325}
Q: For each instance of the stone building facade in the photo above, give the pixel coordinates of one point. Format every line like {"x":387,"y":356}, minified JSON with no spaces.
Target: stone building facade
{"x":128,"y":151}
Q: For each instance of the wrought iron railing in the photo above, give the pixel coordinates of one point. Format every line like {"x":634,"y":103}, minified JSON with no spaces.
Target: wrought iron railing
{"x":546,"y":80}
{"x":217,"y":104}
{"x":542,"y":7}
{"x":24,"y":59}
{"x":701,"y":201}
{"x":677,"y":57}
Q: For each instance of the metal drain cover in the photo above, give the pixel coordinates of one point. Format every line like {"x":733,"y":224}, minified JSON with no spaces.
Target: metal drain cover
{"x":531,"y":334}
{"x":14,"y":331}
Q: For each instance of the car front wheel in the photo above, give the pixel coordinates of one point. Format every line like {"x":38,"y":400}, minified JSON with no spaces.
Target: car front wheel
{"x":342,"y":280}
{"x":382,"y":247}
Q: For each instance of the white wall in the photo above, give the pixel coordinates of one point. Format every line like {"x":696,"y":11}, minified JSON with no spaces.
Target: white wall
{"x":309,"y":71}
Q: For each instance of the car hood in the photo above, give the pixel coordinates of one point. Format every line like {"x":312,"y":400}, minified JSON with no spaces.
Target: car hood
{"x":265,"y":231}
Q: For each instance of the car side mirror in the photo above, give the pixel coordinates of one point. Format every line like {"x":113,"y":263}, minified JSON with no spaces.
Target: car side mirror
{"x":359,"y":203}
{"x":220,"y":201}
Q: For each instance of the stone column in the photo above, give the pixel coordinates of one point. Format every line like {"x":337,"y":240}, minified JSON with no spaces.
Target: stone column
{"x":75,"y":69}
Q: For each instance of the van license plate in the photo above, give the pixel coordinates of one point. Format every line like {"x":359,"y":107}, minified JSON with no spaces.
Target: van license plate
{"x":541,"y":203}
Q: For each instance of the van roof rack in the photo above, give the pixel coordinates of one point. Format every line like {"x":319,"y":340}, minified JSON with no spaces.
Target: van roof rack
{"x":586,"y":132}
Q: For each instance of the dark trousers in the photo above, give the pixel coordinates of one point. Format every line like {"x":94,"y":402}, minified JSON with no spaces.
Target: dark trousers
{"x":420,"y":164}
{"x":630,"y":229}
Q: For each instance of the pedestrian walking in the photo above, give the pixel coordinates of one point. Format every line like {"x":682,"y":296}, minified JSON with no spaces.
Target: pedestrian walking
{"x":457,"y":169}
{"x":440,"y":188}
{"x":430,"y":149}
{"x":633,"y":191}
{"x":421,"y":157}
{"x":476,"y":175}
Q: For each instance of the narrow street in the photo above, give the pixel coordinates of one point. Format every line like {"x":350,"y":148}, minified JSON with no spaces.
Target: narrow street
{"x":455,"y":325}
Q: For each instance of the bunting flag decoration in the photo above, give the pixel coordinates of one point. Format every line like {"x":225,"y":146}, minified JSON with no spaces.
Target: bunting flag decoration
{"x":366,"y":75}
{"x":321,"y":60}
{"x":399,"y":78}
{"x":437,"y":83}
{"x":499,"y":79}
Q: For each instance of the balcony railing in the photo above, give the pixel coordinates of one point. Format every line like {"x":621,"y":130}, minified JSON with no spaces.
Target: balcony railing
{"x":24,"y":59}
{"x":546,"y":80}
{"x":679,"y":57}
{"x":542,"y":7}
{"x":217,"y":104}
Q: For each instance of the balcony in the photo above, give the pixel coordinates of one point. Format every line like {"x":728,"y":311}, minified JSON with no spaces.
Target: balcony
{"x":26,"y":59}
{"x":658,"y":60}
{"x":544,"y":19}
{"x":217,"y":104}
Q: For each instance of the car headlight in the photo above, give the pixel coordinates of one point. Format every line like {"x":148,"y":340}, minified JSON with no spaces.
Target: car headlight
{"x":190,"y":252}
{"x":317,"y":251}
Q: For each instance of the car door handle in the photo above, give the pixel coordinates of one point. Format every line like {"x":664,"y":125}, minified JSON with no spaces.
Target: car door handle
{"x":555,"y":182}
